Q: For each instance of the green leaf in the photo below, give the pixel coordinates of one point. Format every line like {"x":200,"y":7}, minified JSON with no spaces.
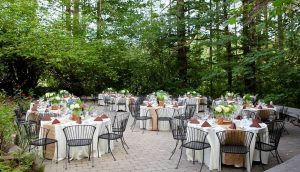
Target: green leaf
{"x":232,"y":21}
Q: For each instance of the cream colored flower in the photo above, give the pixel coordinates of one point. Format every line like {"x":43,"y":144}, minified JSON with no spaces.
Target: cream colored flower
{"x":218,"y":109}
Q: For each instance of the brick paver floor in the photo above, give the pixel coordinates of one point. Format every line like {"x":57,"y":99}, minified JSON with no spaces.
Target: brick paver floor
{"x":149,"y":152}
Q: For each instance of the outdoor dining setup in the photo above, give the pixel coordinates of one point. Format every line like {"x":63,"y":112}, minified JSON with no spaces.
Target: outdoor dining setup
{"x":231,"y":130}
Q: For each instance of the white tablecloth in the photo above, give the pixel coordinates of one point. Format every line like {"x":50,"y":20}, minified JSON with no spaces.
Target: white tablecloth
{"x":212,"y":154}
{"x":80,"y":152}
{"x":162,"y":125}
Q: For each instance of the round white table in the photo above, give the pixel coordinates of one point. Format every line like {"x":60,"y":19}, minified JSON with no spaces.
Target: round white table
{"x":212,"y":154}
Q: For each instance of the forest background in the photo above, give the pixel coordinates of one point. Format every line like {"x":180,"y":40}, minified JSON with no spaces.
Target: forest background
{"x":211,"y":46}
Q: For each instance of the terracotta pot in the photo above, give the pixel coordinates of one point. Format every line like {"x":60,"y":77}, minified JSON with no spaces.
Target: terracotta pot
{"x":78,"y":120}
{"x":75,"y":117}
{"x":161,"y":103}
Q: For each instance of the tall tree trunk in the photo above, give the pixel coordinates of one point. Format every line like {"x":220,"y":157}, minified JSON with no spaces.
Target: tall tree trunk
{"x":280,"y":32}
{"x":68,"y":15}
{"x":210,"y":48}
{"x":181,"y":41}
{"x":76,"y":23}
{"x":228,"y":47}
{"x":248,"y":43}
{"x":99,"y":18}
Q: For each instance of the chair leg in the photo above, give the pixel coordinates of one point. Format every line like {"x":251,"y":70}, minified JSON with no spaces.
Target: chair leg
{"x":179,"y":159}
{"x":193,"y":156}
{"x":220,"y":161}
{"x":123,"y":145}
{"x":98,"y":147}
{"x":157,"y":126}
{"x":262,"y":165}
{"x":174,"y":150}
{"x":91,"y":150}
{"x":109,"y":150}
{"x":89,"y":158}
{"x":278,"y":156}
{"x":202,"y":159}
{"x":56,"y":152}
{"x":133,"y":125}
{"x":249,"y":161}
{"x":66,"y":157}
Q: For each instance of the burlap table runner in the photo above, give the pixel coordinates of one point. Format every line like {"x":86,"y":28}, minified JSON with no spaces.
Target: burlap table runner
{"x":153,"y":114}
{"x":234,"y":137}
{"x":50,"y":149}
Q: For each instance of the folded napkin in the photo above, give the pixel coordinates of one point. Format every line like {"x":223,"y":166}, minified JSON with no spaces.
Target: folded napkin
{"x":255,"y":124}
{"x":98,"y":118}
{"x":46,"y":118}
{"x":205,"y":124}
{"x":149,"y":105}
{"x":47,"y":110}
{"x":259,"y":107}
{"x":239,"y":117}
{"x":55,"y":121}
{"x":270,"y":106}
{"x":104,"y":116}
{"x":194,"y":121}
{"x":232,"y":126}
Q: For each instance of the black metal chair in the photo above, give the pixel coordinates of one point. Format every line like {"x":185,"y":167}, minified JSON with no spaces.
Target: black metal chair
{"x":202,"y":104}
{"x":135,"y":113}
{"x":178,"y":128}
{"x":195,"y":140}
{"x":267,"y":115}
{"x":122,"y":102}
{"x":249,"y":114}
{"x":79,"y":135}
{"x":163,"y":115}
{"x":282,"y":115}
{"x":275,"y":131}
{"x":38,"y":136}
{"x":118,"y":128}
{"x":234,"y":142}
{"x":188,"y":113}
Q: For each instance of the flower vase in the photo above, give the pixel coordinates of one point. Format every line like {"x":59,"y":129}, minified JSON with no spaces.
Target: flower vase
{"x":78,"y":120}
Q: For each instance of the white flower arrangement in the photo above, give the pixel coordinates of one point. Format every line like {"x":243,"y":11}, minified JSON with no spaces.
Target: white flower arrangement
{"x":193,"y":93}
{"x":229,"y":94}
{"x":64,"y":92}
{"x":224,"y":109}
{"x":49,"y":95}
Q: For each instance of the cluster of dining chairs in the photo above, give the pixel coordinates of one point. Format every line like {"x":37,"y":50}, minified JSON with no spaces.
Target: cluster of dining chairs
{"x":76,"y":135}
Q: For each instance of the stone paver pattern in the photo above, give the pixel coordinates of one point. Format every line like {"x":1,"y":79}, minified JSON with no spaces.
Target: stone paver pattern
{"x":149,"y":152}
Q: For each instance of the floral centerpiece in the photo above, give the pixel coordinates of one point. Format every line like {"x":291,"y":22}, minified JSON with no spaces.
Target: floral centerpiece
{"x":191,"y":93}
{"x":64,"y":93}
{"x":247,"y":98}
{"x":161,"y":96}
{"x":124,"y":91}
{"x":50,"y":95}
{"x":224,"y":110}
{"x":76,"y":108}
{"x":229,"y":95}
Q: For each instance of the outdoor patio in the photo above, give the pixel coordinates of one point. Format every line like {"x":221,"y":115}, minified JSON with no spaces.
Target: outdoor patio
{"x":150,"y":152}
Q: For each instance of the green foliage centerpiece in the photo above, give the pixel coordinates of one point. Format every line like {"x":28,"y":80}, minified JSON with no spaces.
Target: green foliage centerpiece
{"x":247,"y":99}
{"x":161,"y":96}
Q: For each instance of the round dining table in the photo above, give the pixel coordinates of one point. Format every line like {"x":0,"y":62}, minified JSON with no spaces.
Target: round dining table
{"x":56,"y":132}
{"x":212,"y":154}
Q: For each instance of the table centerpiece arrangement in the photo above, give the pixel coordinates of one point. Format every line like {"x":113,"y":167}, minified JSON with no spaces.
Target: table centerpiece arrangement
{"x":223,"y":113}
